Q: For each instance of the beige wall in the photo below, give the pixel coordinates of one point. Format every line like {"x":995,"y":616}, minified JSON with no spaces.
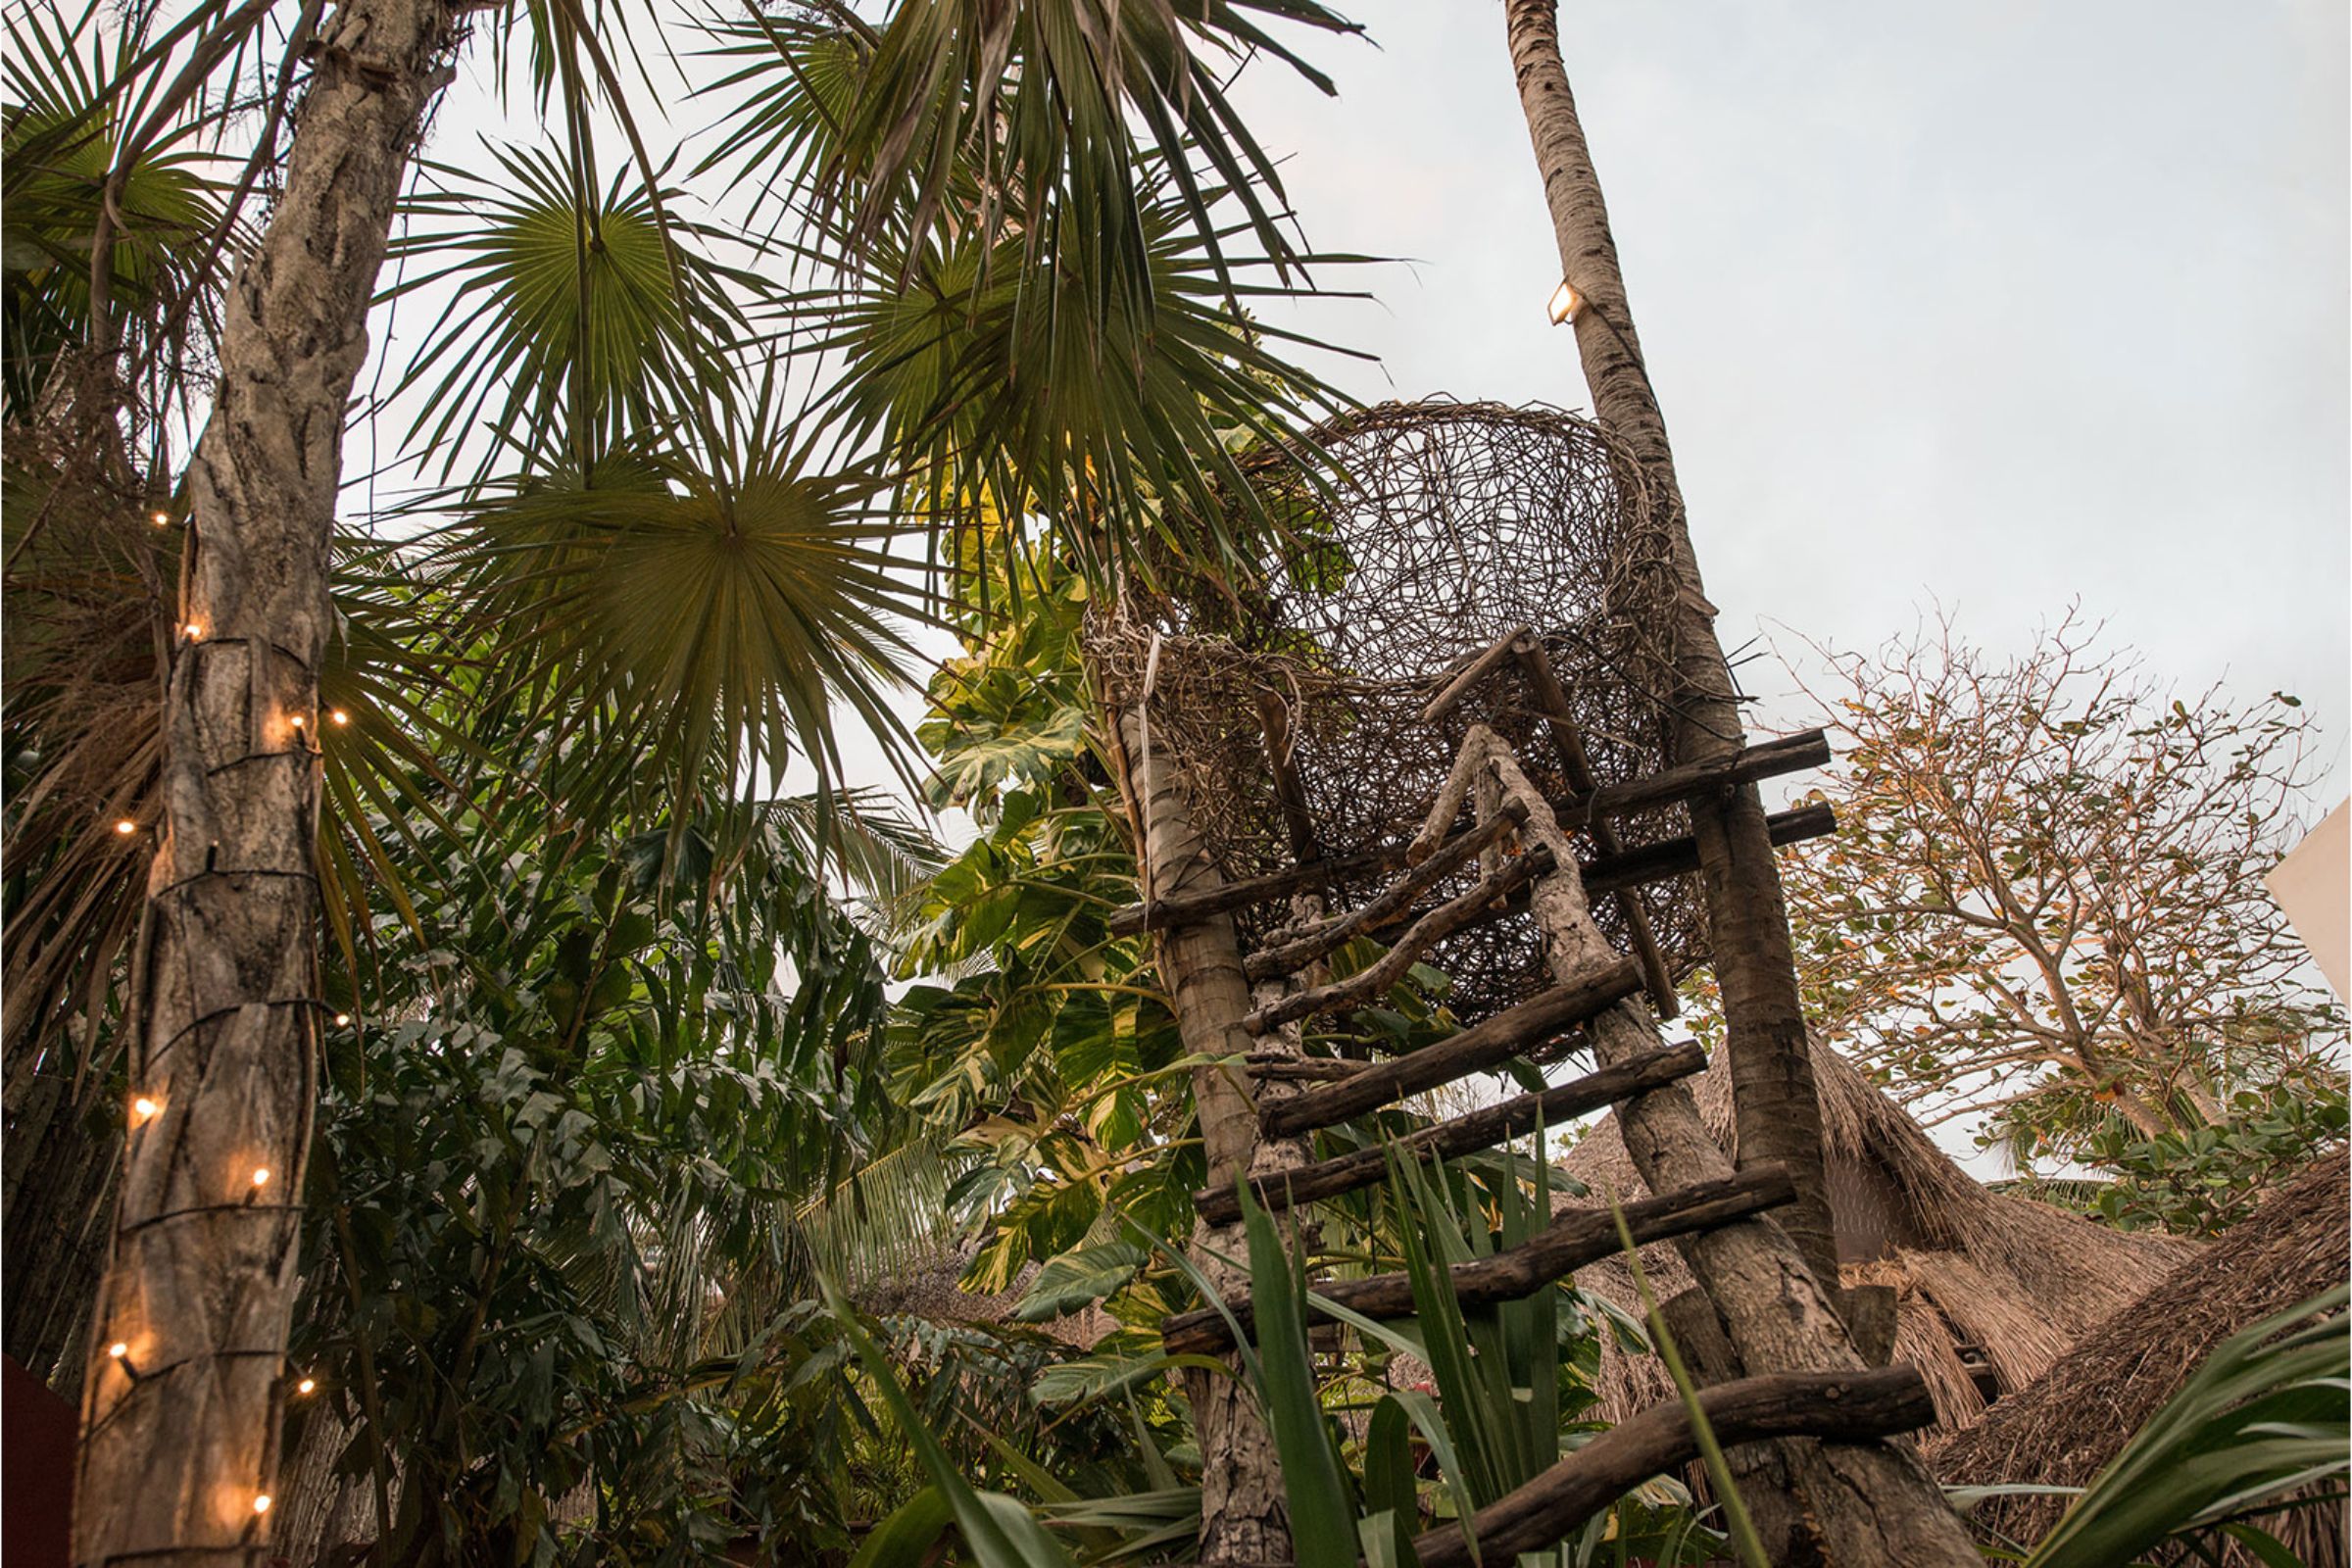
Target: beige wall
{"x":2313,"y":886}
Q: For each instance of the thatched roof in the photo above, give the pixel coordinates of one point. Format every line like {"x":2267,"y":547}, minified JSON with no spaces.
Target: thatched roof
{"x":1990,"y":1290}
{"x":2065,"y":1428}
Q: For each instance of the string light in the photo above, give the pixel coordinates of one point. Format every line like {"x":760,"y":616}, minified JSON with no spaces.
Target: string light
{"x":298,"y":721}
{"x":119,"y":1350}
{"x":195,"y":630}
{"x":306,"y":1386}
{"x":340,"y":717}
{"x":125,"y":826}
{"x":144,"y":1106}
{"x":342,"y":1018}
{"x":1565,"y":302}
{"x":261,"y":1175}
{"x":162,"y":519}
{"x":261,"y":1502}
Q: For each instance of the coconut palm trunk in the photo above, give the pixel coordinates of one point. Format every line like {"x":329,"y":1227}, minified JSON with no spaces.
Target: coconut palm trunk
{"x":1244,"y":1520}
{"x":187,"y":1372}
{"x":1778,"y":1116}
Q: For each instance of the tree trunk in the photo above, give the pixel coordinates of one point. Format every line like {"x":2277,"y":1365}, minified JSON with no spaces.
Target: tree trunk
{"x":180,"y":1431}
{"x":1778,"y":1114}
{"x":1244,"y":1522}
{"x":1813,"y":1502}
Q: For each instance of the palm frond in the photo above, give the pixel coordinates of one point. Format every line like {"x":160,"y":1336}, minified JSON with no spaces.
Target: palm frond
{"x":565,"y":327}
{"x":662,"y":618}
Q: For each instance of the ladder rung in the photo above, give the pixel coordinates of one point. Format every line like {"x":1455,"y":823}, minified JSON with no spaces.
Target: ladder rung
{"x":1454,"y":914}
{"x":1481,"y":1045}
{"x":1854,"y":1404}
{"x":1576,"y":1237}
{"x":1653,"y":862}
{"x":1481,"y":1129}
{"x":1650,"y":862}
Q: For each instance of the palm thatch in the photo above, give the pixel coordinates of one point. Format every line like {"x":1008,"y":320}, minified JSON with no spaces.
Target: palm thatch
{"x":2066,"y":1428}
{"x":1990,"y":1290}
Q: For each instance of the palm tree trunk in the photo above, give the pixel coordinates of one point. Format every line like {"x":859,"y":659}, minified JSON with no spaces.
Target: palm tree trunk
{"x":180,"y":1431}
{"x":1242,"y":1517}
{"x":1777,"y":1113}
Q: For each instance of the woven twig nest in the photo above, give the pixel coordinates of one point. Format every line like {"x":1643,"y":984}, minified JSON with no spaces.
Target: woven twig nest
{"x":1422,"y":534}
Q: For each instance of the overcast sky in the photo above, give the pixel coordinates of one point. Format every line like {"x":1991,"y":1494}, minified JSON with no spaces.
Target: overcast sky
{"x":1995,"y":304}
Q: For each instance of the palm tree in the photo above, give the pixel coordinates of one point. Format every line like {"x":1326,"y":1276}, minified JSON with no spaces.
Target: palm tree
{"x":181,"y":1404}
{"x":1779,"y":1115}
{"x":1880,"y":1497}
{"x":659,"y":554}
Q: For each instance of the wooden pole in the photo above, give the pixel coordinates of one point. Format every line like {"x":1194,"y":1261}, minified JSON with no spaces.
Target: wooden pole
{"x":1774,"y":1105}
{"x":1541,"y":1513}
{"x":1485,"y":1128}
{"x":1828,"y":1503}
{"x":1651,"y":863}
{"x":1579,"y":1236}
{"x":1242,"y":1517}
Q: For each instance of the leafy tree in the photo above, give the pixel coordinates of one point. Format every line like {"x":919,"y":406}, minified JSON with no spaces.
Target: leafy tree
{"x":660,"y":552}
{"x":565,"y":1166}
{"x":2045,"y":901}
{"x":2200,"y":1181}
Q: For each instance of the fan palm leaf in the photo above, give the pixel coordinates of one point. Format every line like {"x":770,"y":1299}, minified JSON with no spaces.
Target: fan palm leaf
{"x":567,"y":323}
{"x":662,"y":614}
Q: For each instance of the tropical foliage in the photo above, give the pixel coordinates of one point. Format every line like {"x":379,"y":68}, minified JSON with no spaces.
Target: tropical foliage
{"x":938,"y":327}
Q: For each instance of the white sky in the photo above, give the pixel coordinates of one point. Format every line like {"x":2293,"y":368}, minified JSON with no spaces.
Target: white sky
{"x":1995,"y":304}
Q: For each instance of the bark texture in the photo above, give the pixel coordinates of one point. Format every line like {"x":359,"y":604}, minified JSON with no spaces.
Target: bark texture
{"x":180,"y":1431}
{"x":1829,"y":1503}
{"x":1242,"y":1517}
{"x":1660,"y":1438}
{"x":1778,"y":1116}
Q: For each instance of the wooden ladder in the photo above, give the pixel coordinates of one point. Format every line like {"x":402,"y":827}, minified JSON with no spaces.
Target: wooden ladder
{"x":1523,"y":865}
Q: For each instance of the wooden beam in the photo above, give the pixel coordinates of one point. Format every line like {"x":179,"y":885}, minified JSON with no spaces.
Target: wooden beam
{"x":1509,"y":1033}
{"x":1837,"y":1406}
{"x":1578,"y":1236}
{"x":1476,"y":671}
{"x":1385,"y":857}
{"x":1282,"y":1068}
{"x":1289,"y":958}
{"x":1426,"y":932}
{"x":1651,"y":863}
{"x":1790,"y":754}
{"x":1668,"y":857}
{"x":1481,"y":1129}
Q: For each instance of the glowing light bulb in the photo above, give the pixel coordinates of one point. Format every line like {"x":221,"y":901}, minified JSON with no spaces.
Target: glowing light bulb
{"x":340,"y":717}
{"x":195,"y":629}
{"x":1565,"y":302}
{"x":298,"y":721}
{"x":342,"y":1018}
{"x":162,"y":519}
{"x":144,"y":1106}
{"x":125,"y":826}
{"x":118,"y":1349}
{"x":306,"y":1386}
{"x":261,"y":1175}
{"x":261,"y":1502}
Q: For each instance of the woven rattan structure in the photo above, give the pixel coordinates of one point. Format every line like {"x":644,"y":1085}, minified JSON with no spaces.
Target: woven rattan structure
{"x":1421,"y":534}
